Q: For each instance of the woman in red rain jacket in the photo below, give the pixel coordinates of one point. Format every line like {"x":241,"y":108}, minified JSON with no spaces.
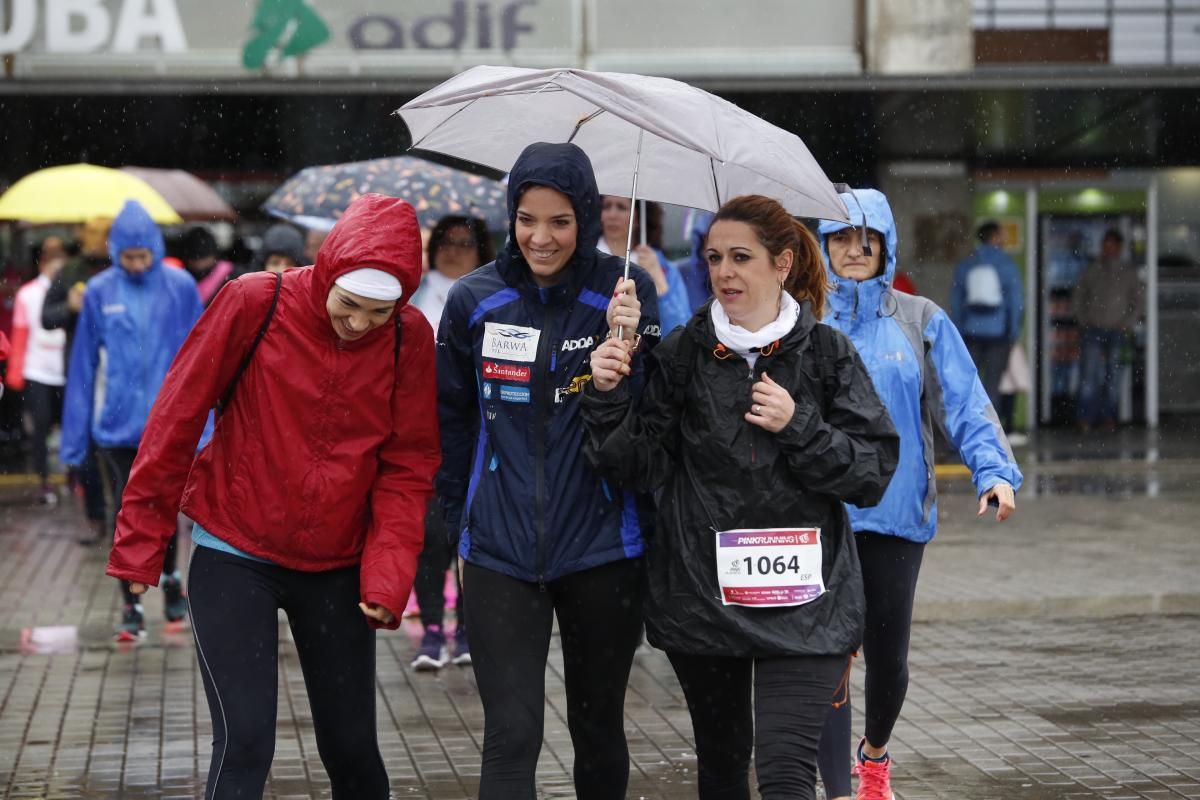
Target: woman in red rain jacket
{"x":310,"y":496}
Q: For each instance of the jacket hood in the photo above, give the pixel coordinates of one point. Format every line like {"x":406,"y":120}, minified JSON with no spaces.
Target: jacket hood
{"x":867,"y":207}
{"x":697,"y":231}
{"x":375,"y":231}
{"x":134,"y":228}
{"x":567,"y":169}
{"x":283,"y":240}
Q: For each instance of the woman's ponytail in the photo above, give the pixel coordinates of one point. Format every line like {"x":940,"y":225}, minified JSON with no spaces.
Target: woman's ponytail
{"x":807,"y":280}
{"x":779,"y":231}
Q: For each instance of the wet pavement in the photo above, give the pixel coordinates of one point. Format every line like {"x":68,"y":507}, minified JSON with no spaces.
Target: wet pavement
{"x":1054,"y":657}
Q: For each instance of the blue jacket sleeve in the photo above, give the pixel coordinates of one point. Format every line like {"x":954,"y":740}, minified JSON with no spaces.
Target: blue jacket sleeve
{"x":81,"y":381}
{"x":1015,"y":296}
{"x":958,"y":401}
{"x":458,"y":407}
{"x":673,"y":307}
{"x":958,"y":292}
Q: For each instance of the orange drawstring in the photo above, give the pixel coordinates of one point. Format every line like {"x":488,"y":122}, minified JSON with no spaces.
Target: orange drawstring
{"x":721,"y":352}
{"x":843,"y":687}
{"x":769,"y":349}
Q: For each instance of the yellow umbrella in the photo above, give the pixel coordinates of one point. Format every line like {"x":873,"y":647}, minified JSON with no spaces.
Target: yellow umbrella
{"x":79,"y":192}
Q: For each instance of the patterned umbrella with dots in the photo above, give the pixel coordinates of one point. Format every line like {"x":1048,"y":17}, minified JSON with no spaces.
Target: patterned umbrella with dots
{"x":317,"y":196}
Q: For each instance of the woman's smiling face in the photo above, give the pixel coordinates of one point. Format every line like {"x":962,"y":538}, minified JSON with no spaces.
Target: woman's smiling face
{"x":354,"y":316}
{"x":546,"y":231}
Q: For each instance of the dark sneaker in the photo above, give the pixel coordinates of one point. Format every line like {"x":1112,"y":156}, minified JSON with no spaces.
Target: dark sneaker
{"x":462,"y":650}
{"x":95,"y":534}
{"x":133,"y":624}
{"x":174,"y":603}
{"x":431,"y":655}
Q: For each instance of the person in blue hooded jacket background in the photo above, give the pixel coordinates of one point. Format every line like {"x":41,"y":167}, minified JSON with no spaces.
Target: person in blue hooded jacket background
{"x":987,"y":303}
{"x":135,"y":317}
{"x":693,"y":268}
{"x":541,"y":534}
{"x":924,"y":374}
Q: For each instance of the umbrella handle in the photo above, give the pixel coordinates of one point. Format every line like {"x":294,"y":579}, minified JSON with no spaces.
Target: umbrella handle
{"x":637,"y":163}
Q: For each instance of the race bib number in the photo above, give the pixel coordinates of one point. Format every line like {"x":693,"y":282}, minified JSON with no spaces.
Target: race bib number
{"x":510,"y":342}
{"x":769,"y":567}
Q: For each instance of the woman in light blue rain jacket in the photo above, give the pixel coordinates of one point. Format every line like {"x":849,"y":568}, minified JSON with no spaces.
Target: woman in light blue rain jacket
{"x":924,"y":374}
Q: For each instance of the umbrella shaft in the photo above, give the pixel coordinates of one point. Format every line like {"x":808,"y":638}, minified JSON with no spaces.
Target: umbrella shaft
{"x":637,"y":162}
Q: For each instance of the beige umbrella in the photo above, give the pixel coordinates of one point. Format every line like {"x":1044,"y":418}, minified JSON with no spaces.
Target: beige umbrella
{"x":688,"y":147}
{"x":193,"y":199}
{"x":673,"y":142}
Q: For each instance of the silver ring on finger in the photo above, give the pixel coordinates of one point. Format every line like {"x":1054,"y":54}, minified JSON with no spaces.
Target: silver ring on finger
{"x":757,"y":409}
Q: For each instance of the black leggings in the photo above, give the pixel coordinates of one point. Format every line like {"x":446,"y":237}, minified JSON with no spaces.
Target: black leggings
{"x":890,"y":566}
{"x":436,"y":557}
{"x":599,"y":618}
{"x":43,"y":406}
{"x":118,"y":463}
{"x":234,"y":603}
{"x":93,"y":487}
{"x":778,"y":704}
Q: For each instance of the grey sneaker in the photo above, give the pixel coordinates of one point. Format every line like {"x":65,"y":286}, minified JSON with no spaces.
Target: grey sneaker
{"x":174,"y":603}
{"x":133,"y":624}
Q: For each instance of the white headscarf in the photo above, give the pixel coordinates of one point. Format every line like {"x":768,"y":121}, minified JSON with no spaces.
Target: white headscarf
{"x":748,"y":343}
{"x":371,"y":283}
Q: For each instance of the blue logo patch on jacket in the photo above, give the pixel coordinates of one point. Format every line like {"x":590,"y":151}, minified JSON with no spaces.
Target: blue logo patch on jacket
{"x":514,"y":394}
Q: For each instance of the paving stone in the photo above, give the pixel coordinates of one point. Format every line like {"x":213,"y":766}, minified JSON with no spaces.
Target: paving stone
{"x":1027,"y":681}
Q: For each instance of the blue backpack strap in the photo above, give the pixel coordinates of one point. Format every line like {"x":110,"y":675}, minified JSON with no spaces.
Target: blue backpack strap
{"x":227,"y":395}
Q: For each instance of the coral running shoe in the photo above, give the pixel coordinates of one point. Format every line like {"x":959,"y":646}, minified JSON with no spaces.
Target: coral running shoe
{"x":874,"y":775}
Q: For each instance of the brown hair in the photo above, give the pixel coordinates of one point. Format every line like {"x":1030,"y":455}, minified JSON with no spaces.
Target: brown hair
{"x":654,"y":221}
{"x":484,"y":250}
{"x":778,"y":231}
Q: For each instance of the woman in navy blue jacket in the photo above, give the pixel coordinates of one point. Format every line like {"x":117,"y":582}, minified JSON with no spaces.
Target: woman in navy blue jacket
{"x":542,"y":535}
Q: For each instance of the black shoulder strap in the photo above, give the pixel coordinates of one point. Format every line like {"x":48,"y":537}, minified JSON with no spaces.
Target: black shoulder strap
{"x":681,"y":365}
{"x":399,"y":336}
{"x":823,"y":341}
{"x":227,"y":395}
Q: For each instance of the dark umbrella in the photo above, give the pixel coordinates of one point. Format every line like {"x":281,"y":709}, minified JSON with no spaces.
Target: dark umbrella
{"x":317,"y":196}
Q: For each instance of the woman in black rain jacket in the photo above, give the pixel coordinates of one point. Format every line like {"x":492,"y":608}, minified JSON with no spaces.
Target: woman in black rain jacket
{"x":756,"y":419}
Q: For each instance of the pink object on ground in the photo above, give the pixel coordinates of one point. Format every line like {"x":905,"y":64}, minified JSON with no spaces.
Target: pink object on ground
{"x":412,"y":609}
